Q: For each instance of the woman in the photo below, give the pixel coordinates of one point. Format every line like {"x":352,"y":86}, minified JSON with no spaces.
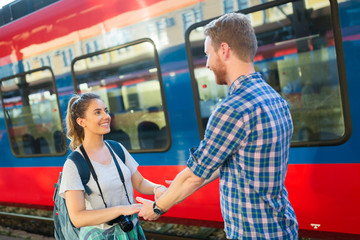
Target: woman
{"x":87,"y":120}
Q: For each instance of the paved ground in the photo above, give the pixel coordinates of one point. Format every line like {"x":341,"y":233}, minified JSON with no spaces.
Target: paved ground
{"x":10,"y":234}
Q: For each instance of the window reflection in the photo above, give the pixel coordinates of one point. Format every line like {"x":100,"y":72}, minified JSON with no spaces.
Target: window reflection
{"x":128,"y":80}
{"x":32,"y":113}
{"x":297,"y":57}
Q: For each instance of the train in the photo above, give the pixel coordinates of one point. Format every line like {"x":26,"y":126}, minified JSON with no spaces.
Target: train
{"x":146,"y":60}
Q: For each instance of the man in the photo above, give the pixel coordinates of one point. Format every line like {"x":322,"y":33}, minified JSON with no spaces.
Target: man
{"x":246,"y":143}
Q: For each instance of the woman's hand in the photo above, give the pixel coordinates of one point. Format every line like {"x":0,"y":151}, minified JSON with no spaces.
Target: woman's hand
{"x":130,"y":209}
{"x":159,"y":190}
{"x":169,"y":181}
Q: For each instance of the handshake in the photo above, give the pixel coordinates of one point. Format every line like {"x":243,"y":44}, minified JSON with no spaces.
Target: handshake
{"x":148,"y":209}
{"x":159,"y":190}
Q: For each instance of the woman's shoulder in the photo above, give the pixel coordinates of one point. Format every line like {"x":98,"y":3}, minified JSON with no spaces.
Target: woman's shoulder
{"x":69,"y":163}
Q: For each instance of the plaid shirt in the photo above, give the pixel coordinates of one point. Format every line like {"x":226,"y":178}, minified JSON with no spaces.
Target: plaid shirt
{"x":113,"y":233}
{"x":248,"y":137}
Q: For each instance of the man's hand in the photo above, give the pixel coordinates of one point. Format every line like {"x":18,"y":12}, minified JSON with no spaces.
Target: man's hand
{"x":147,"y":212}
{"x":184,"y":184}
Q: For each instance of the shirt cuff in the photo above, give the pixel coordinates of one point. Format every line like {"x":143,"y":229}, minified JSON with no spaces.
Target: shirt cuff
{"x":196,"y":167}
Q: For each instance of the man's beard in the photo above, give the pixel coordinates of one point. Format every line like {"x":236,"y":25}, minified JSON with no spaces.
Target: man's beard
{"x":220,"y":73}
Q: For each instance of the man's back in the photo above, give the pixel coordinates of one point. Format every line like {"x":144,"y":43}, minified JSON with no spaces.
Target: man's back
{"x":254,"y":125}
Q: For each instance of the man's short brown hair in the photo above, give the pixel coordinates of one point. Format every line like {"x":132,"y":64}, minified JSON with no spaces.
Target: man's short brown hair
{"x":235,"y":29}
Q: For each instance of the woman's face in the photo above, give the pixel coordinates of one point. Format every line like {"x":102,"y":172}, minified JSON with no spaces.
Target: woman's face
{"x":97,"y":119}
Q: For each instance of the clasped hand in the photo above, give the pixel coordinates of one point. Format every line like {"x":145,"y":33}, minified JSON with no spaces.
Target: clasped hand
{"x":147,"y":212}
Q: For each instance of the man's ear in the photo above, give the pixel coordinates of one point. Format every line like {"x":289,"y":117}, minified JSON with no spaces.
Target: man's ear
{"x":225,"y":50}
{"x":80,"y":121}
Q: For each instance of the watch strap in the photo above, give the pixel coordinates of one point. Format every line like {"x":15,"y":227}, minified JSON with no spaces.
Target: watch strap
{"x":157,"y":210}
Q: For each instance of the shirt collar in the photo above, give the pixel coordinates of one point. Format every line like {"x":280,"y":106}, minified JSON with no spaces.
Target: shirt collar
{"x":238,"y":82}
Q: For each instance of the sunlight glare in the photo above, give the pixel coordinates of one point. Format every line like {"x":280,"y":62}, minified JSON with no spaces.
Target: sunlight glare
{"x":4,"y":2}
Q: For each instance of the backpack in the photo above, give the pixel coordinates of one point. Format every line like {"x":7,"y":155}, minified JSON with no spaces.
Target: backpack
{"x":63,"y":227}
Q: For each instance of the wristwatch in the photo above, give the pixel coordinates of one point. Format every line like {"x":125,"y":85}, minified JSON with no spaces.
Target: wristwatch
{"x":157,"y":210}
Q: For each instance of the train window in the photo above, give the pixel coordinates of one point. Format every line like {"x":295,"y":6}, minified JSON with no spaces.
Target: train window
{"x":32,"y":115}
{"x":17,"y":9}
{"x":298,"y":56}
{"x":128,"y":79}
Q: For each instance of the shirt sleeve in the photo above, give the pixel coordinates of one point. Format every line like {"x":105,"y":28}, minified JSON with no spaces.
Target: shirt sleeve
{"x":70,"y":179}
{"x":223,"y":135}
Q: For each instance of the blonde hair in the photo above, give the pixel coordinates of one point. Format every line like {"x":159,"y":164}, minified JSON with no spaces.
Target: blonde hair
{"x":77,"y":106}
{"x":234,"y":29}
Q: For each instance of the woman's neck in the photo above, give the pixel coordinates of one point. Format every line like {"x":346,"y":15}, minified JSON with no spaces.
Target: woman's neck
{"x":96,"y":149}
{"x":93,"y":143}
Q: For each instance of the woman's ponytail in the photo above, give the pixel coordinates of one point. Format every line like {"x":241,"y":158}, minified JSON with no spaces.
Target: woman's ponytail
{"x":76,"y":108}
